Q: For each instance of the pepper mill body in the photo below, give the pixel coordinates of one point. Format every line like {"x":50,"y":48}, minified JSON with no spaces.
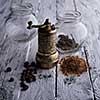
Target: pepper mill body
{"x":47,"y":55}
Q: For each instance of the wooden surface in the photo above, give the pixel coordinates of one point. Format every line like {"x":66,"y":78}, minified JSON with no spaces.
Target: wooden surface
{"x":12,"y":54}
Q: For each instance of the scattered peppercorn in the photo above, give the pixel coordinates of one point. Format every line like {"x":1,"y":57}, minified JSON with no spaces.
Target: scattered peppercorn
{"x":26,"y":64}
{"x":33,"y":64}
{"x":35,"y":71}
{"x":11,"y":79}
{"x":45,"y":76}
{"x":28,"y":80}
{"x":49,"y":76}
{"x":8,"y":69}
{"x":40,"y":76}
{"x":24,"y":87}
{"x":34,"y":79}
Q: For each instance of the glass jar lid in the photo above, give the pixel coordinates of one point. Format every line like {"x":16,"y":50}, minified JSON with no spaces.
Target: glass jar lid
{"x":70,"y":17}
{"x":24,"y":9}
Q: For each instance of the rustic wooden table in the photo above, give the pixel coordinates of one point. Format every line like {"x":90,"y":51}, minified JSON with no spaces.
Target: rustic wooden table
{"x":12,"y":54}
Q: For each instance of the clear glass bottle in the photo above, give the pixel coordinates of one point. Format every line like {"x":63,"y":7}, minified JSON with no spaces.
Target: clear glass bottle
{"x":16,"y":26}
{"x":70,"y":25}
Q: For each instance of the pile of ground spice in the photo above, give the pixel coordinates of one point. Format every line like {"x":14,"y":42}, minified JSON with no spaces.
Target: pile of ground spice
{"x":73,"y":65}
{"x":66,"y":43}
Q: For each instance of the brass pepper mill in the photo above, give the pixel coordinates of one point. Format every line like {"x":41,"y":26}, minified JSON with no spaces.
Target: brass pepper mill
{"x":47,"y":55}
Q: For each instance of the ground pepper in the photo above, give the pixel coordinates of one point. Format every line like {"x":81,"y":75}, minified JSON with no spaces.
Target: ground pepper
{"x":73,"y":65}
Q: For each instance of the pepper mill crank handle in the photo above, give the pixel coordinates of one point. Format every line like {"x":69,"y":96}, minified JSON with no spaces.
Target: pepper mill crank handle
{"x":30,"y":26}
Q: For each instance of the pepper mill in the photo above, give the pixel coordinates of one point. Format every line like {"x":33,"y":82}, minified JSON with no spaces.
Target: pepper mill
{"x":47,"y":55}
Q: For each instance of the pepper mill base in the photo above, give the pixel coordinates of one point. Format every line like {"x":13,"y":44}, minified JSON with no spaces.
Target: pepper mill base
{"x":46,"y":61}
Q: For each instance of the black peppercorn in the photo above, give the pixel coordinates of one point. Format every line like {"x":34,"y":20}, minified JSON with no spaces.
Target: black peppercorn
{"x":11,"y":79}
{"x":33,"y":64}
{"x":33,"y":78}
{"x":26,"y":64}
{"x":8,"y":69}
{"x":24,"y":87}
{"x":35,"y":71}
{"x":28,"y":80}
{"x":49,"y":76}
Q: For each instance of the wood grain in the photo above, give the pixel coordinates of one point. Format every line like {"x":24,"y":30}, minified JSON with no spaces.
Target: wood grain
{"x":12,"y":54}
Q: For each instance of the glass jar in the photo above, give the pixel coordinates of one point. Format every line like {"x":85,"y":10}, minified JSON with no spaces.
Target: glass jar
{"x":16,"y":26}
{"x":71,"y":32}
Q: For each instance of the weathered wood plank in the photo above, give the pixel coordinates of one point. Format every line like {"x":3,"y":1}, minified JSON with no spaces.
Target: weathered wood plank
{"x":14,"y":57}
{"x":91,"y":17}
{"x":12,"y":54}
{"x":43,"y":88}
{"x":73,"y":87}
